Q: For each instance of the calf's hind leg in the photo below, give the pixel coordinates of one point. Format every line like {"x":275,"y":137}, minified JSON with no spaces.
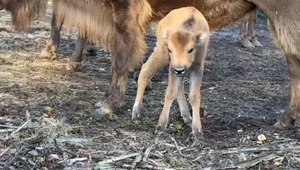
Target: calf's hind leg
{"x":156,"y":62}
{"x":251,"y":29}
{"x":244,"y":35}
{"x":183,"y":106}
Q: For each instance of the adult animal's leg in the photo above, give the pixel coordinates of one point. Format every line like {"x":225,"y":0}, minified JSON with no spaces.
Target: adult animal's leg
{"x":50,"y":50}
{"x":129,"y":46}
{"x":75,"y":61}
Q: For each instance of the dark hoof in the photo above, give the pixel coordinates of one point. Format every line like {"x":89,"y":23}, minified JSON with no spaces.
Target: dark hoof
{"x":100,"y":113}
{"x":281,"y":126}
{"x":104,"y":108}
{"x":297,"y":132}
{"x":74,"y":66}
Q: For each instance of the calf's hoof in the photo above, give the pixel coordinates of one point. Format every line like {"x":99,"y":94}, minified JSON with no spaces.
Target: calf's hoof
{"x":187,"y":120}
{"x":136,"y":110}
{"x":74,"y":66}
{"x":160,"y":127}
{"x":198,"y":133}
{"x":256,"y":43}
{"x":247,"y":44}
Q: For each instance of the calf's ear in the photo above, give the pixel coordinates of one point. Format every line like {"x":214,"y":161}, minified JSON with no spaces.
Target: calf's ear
{"x":167,"y":32}
{"x":201,"y":36}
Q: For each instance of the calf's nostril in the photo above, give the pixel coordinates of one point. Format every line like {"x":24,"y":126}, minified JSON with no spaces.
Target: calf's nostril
{"x":179,"y":71}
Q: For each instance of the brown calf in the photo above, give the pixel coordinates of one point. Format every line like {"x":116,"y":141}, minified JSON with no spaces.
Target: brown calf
{"x":182,"y":38}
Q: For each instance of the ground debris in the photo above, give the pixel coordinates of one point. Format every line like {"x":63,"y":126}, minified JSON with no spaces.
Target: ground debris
{"x":242,"y":92}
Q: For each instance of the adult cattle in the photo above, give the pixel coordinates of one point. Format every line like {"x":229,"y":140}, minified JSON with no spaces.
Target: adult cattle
{"x":23,"y":11}
{"x":119,"y":24}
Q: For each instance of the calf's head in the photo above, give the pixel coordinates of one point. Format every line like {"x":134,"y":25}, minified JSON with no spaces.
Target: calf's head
{"x":182,"y":48}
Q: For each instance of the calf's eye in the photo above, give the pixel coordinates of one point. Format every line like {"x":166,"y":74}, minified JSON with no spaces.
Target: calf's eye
{"x":191,"y":50}
{"x":169,"y":50}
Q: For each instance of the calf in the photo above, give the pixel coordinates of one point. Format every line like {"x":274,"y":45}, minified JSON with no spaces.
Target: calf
{"x":182,"y":41}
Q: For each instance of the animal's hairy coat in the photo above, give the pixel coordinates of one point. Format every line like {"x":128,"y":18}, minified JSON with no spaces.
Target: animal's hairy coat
{"x":23,"y":11}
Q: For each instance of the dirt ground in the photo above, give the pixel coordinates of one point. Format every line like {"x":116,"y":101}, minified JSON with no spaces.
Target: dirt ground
{"x":244,"y":92}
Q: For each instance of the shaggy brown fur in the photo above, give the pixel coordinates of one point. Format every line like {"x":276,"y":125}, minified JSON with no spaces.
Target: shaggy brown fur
{"x":118,"y":25}
{"x":284,"y":26}
{"x":121,"y":23}
{"x":23,"y":11}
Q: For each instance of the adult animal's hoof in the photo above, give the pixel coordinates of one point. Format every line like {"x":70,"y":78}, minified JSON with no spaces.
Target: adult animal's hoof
{"x":49,"y":54}
{"x":281,"y":126}
{"x":297,"y":132}
{"x":74,"y":66}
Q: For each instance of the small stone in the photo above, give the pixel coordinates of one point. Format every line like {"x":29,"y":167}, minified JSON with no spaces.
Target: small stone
{"x":261,"y":138}
{"x":277,"y":163}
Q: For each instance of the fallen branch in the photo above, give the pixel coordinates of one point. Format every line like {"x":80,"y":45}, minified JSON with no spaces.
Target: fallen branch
{"x":147,"y":152}
{"x":117,"y":159}
{"x":9,"y":126}
{"x":5,"y":151}
{"x":254,"y":161}
{"x":6,"y":130}
{"x":17,"y":130}
{"x":281,"y":148}
{"x":176,"y":145}
{"x":137,"y":159}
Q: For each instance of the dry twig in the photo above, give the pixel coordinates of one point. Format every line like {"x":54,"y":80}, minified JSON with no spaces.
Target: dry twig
{"x":17,"y":130}
{"x":5,"y":151}
{"x":117,"y":158}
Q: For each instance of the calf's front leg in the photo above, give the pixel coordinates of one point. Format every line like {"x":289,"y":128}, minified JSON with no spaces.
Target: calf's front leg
{"x":174,"y":84}
{"x":156,"y":62}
